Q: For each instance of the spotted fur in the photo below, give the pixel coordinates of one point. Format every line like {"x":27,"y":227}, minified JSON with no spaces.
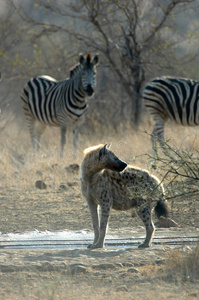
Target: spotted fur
{"x":108,"y":182}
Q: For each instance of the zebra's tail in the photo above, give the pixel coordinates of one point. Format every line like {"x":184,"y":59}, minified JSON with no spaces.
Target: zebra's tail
{"x":24,"y":96}
{"x":25,"y":100}
{"x":162,"y":209}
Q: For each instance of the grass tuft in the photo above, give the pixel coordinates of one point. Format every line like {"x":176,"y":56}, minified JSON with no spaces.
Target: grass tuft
{"x":183,"y":266}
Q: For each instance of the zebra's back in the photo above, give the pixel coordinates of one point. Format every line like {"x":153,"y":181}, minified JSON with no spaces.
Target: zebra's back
{"x":39,"y":99}
{"x":173,"y":98}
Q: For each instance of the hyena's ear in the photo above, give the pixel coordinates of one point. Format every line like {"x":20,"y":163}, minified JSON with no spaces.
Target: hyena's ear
{"x":102,"y":151}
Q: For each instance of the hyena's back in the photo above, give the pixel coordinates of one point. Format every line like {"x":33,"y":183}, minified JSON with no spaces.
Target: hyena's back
{"x":142,"y":184}
{"x":127,"y":188}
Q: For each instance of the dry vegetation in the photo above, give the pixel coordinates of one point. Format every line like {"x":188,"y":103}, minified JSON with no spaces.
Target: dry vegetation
{"x":162,"y":271}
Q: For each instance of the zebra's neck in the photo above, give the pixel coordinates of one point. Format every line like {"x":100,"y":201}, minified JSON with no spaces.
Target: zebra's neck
{"x":75,"y":71}
{"x":76,"y":89}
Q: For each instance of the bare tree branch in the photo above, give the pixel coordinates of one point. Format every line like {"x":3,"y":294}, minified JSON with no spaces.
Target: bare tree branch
{"x":125,"y":32}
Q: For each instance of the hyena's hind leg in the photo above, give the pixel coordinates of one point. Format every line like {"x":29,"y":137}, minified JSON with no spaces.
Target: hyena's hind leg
{"x":144,"y":212}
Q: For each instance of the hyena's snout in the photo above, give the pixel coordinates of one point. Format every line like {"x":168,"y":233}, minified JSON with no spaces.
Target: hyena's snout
{"x":118,"y":165}
{"x":122,"y":165}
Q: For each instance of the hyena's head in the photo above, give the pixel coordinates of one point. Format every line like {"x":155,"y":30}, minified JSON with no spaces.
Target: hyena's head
{"x":109,"y":160}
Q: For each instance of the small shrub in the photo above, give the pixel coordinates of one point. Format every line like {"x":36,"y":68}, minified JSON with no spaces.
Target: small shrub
{"x":183,"y":266}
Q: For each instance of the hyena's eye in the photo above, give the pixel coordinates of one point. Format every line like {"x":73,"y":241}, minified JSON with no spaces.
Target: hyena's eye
{"x":116,"y":158}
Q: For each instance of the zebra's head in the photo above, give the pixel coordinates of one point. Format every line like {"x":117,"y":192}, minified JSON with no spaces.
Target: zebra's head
{"x":89,"y":72}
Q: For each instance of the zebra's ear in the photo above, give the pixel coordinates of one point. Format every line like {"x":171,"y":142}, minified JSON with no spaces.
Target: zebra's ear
{"x":81,"y":60}
{"x":109,"y":145}
{"x":95,"y":61}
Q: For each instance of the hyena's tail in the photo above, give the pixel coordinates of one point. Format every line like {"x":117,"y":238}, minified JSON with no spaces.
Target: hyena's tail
{"x":162,"y":209}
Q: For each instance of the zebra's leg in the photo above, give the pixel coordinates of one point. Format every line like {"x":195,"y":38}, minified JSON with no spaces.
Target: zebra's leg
{"x":154,"y":143}
{"x":75,"y":140}
{"x":38,"y":129}
{"x":63,"y":140}
{"x":31,"y":126}
{"x":158,"y":136}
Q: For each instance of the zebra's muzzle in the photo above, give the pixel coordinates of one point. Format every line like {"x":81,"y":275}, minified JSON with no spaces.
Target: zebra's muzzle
{"x":89,"y":90}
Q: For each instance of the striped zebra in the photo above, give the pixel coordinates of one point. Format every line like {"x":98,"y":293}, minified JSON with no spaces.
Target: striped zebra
{"x":48,"y":102}
{"x":176,"y":99}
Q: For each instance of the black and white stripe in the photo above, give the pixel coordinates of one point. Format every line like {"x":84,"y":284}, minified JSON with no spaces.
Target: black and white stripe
{"x":48,"y":102}
{"x":176,"y":99}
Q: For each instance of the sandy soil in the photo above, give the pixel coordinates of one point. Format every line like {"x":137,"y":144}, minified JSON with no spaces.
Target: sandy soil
{"x":118,"y":273}
{"x":100,"y":274}
{"x":126,"y":273}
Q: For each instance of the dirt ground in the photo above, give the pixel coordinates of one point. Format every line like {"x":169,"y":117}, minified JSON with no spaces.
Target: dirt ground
{"x":123,"y":273}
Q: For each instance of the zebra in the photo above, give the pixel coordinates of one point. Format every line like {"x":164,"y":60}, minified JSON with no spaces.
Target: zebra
{"x":171,"y":98}
{"x":48,"y":102}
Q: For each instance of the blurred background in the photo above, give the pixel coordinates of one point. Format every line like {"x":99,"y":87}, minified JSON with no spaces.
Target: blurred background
{"x":137,"y":40}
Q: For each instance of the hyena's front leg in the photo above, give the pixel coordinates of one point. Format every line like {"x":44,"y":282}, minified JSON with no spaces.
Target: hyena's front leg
{"x":144,"y":212}
{"x":105,"y":210}
{"x":94,"y":215}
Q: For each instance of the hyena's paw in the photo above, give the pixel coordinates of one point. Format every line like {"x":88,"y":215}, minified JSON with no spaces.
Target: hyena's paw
{"x":94,"y":246}
{"x":143,"y":245}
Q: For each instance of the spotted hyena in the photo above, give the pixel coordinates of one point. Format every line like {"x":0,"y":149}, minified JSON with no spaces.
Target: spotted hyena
{"x":108,"y":182}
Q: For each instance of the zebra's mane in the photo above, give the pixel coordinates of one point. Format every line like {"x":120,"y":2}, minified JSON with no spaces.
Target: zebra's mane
{"x":88,"y":58}
{"x":74,"y":70}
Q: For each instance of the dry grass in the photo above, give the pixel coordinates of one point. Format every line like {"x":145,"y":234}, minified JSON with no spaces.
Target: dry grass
{"x":23,"y":208}
{"x":20,"y":168}
{"x":183,"y":266}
